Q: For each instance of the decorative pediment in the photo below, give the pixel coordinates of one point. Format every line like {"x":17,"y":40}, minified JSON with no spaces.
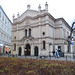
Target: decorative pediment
{"x":27,"y":21}
{"x":27,"y":27}
{"x":27,"y":39}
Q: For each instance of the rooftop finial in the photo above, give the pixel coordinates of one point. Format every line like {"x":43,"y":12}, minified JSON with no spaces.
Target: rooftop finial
{"x":46,"y":6}
{"x":39,"y":8}
{"x":28,"y":7}
{"x":13,"y":17}
{"x":46,"y":2}
{"x":18,"y":14}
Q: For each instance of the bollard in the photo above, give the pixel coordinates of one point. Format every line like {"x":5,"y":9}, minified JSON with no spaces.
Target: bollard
{"x":50,"y":57}
{"x":66,"y":58}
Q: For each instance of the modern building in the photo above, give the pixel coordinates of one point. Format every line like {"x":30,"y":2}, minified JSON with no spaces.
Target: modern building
{"x":37,"y":33}
{"x":5,"y":32}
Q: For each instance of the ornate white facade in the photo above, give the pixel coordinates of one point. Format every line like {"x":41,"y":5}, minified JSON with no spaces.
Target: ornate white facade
{"x":36,"y":32}
{"x":5,"y":32}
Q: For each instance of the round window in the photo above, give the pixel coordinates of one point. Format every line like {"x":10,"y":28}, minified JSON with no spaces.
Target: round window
{"x":43,"y":33}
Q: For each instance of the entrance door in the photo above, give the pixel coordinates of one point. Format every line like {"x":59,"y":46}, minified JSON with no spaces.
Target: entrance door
{"x":59,"y":48}
{"x":36,"y":51}
{"x":27,"y":50}
{"x":20,"y":50}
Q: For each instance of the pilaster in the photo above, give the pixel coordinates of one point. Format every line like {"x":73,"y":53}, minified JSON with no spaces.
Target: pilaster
{"x":32,"y":50}
{"x":22,"y":50}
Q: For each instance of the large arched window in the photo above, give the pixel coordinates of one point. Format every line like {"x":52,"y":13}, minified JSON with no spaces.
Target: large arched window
{"x":25,"y":32}
{"x":29,"y":32}
{"x":14,"y":47}
{"x":44,"y":46}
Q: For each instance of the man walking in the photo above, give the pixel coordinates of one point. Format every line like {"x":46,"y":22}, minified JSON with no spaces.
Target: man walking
{"x":57,"y":54}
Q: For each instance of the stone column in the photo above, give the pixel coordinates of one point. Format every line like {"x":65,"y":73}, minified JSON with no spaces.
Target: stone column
{"x":47,"y":30}
{"x":22,"y":50}
{"x":16,"y":50}
{"x":32,"y":50}
{"x":47,"y":49}
{"x":11,"y":49}
{"x":39,"y":50}
{"x":51,"y":49}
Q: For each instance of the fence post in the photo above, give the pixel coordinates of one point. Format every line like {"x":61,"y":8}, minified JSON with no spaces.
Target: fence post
{"x":66,"y":58}
{"x":50,"y":57}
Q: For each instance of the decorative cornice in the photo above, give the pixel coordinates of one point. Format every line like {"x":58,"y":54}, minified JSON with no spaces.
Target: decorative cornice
{"x":31,"y":26}
{"x":35,"y":17}
{"x":62,"y":19}
{"x":32,"y":38}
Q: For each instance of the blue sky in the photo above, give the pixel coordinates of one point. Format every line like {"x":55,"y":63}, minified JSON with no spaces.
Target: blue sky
{"x":57,"y":8}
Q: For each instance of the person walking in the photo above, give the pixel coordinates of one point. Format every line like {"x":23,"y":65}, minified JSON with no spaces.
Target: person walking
{"x":57,"y":54}
{"x":53,"y":52}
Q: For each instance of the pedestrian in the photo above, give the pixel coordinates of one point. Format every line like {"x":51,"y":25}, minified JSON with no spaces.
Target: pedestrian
{"x":57,"y":54}
{"x":53,"y":52}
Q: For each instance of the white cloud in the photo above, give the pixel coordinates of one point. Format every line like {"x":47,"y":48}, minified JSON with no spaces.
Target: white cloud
{"x":58,"y":8}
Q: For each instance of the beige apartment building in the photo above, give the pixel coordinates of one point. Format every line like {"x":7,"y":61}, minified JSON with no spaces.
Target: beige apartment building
{"x":35,"y":33}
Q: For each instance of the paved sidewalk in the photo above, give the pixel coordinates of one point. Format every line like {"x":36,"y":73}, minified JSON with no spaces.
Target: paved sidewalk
{"x":48,"y":58}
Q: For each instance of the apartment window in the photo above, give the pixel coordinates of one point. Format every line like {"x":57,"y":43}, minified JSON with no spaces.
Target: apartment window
{"x":44,"y":45}
{"x":29,"y":32}
{"x":3,"y":18}
{"x":14,"y":47}
{"x":0,"y":14}
{"x":25,"y":32}
{"x":14,"y":37}
{"x":2,"y":27}
{"x":5,"y":22}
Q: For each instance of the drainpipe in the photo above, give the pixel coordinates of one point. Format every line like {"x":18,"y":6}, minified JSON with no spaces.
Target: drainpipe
{"x":53,"y":38}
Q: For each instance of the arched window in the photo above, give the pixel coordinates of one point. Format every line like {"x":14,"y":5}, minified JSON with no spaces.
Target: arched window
{"x":44,"y":45}
{"x":14,"y":47}
{"x":14,"y":37}
{"x":25,"y":32}
{"x":29,"y":32}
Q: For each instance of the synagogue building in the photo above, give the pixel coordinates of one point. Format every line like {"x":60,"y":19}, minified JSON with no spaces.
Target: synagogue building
{"x":36,"y":33}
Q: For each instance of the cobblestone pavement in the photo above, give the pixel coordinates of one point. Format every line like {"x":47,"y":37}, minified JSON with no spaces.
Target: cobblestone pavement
{"x":38,"y":57}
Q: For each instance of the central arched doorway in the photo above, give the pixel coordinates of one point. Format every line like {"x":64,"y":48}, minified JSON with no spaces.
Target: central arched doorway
{"x":20,"y":50}
{"x":36,"y":51}
{"x":27,"y":50}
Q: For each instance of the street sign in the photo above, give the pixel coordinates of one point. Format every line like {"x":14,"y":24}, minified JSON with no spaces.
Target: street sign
{"x":72,"y":43}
